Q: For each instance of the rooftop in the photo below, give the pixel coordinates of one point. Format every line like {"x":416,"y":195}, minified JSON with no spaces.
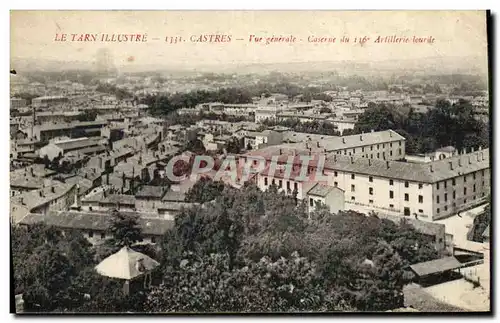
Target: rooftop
{"x":151,"y":191}
{"x":435,"y":266}
{"x":321,"y":190}
{"x":98,"y":221}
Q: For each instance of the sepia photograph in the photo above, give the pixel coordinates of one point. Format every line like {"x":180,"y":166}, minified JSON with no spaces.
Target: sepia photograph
{"x":249,"y":162}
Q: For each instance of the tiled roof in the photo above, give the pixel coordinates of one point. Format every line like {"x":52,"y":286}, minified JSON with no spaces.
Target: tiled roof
{"x":151,"y":191}
{"x":435,"y":266}
{"x":321,"y":190}
{"x":95,"y":221}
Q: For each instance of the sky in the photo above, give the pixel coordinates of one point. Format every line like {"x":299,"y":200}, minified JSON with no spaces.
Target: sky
{"x":456,"y":34}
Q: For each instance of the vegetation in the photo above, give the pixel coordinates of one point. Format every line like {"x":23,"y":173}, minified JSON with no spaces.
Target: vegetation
{"x":242,"y":250}
{"x":441,"y":126}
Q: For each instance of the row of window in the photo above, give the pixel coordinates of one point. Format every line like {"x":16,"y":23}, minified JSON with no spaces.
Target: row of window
{"x":400,"y":152}
{"x":454,"y":204}
{"x":454,"y":182}
{"x":455,"y":195}
{"x":103,"y":236}
{"x":370,"y":179}
{"x":280,"y":184}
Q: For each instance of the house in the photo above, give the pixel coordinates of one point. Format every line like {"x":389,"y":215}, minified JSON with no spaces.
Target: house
{"x":330,"y":196}
{"x":94,"y":225}
{"x":148,"y":197}
{"x":55,"y":197}
{"x":257,"y":139}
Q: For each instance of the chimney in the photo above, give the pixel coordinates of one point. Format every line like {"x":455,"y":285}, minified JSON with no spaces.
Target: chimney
{"x":451,"y":165}
{"x":470,"y":162}
{"x":343,"y":140}
{"x":471,"y":149}
{"x":390,"y":133}
{"x":477,"y":155}
{"x":387,"y":164}
{"x":432,"y":170}
{"x":372,"y":130}
{"x":480,"y":147}
{"x":361,"y":137}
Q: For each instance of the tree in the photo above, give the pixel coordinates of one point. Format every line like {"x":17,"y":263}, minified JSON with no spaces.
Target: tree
{"x":204,"y":190}
{"x":124,"y":229}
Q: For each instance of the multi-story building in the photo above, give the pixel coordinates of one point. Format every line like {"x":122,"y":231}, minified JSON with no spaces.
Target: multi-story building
{"x":16,"y":103}
{"x":44,"y":101}
{"x":429,"y":191}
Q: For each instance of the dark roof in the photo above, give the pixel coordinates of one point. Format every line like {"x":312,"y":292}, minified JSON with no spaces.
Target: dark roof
{"x":94,"y":221}
{"x":151,"y":191}
{"x":174,"y":196}
{"x":435,"y":266}
{"x":321,"y":190}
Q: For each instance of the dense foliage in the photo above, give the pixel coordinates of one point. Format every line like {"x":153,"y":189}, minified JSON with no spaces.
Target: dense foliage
{"x":444,"y":125}
{"x":242,"y":250}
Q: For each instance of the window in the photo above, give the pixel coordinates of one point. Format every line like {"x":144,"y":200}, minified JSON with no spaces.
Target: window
{"x":407,"y":184}
{"x":420,"y":199}
{"x":407,"y":197}
{"x":265,"y":181}
{"x":465,"y":190}
{"x":349,"y":153}
{"x":345,"y":151}
{"x":391,"y":182}
{"x":420,"y":186}
{"x":390,"y":145}
{"x":407,"y":211}
{"x":370,"y":201}
{"x":274,"y":182}
{"x":370,"y":190}
{"x":391,"y":194}
{"x":362,"y":149}
{"x":453,"y":182}
{"x":446,"y":197}
{"x":353,"y":189}
{"x":335,"y":174}
{"x":474,"y":197}
{"x":399,"y":150}
{"x":103,"y":235}
{"x":370,"y":179}
{"x":311,"y":202}
{"x":335,"y":184}
{"x":482,"y":173}
{"x":391,"y":206}
{"x":445,"y":184}
{"x":280,"y":183}
{"x":353,"y":198}
{"x":371,"y":156}
{"x":437,"y":185}
{"x":438,"y":210}
{"x":352,"y":176}
{"x":400,"y":143}
{"x":295,"y":186}
{"x":474,"y":188}
{"x":465,"y":201}
{"x":378,"y":146}
{"x":354,"y":150}
{"x":153,"y":239}
{"x":378,"y":155}
{"x":383,"y":145}
{"x":474,"y":176}
{"x":437,"y":199}
{"x":483,"y":183}
{"x":454,"y":195}
{"x":383,"y":154}
{"x":446,"y":207}
{"x":91,"y":234}
{"x":465,"y":178}
{"x":371,"y":147}
{"x":288,"y":185}
{"x":390,"y":152}
{"x":420,"y":211}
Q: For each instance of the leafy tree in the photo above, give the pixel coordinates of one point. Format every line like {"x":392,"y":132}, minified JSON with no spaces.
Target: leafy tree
{"x":124,"y":229}
{"x":204,"y":190}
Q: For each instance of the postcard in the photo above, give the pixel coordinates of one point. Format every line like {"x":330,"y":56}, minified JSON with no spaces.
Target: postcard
{"x":241,"y":162}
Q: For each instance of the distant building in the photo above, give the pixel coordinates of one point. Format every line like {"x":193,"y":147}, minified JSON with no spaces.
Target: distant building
{"x":330,"y":196}
{"x":16,"y":103}
{"x":45,"y":101}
